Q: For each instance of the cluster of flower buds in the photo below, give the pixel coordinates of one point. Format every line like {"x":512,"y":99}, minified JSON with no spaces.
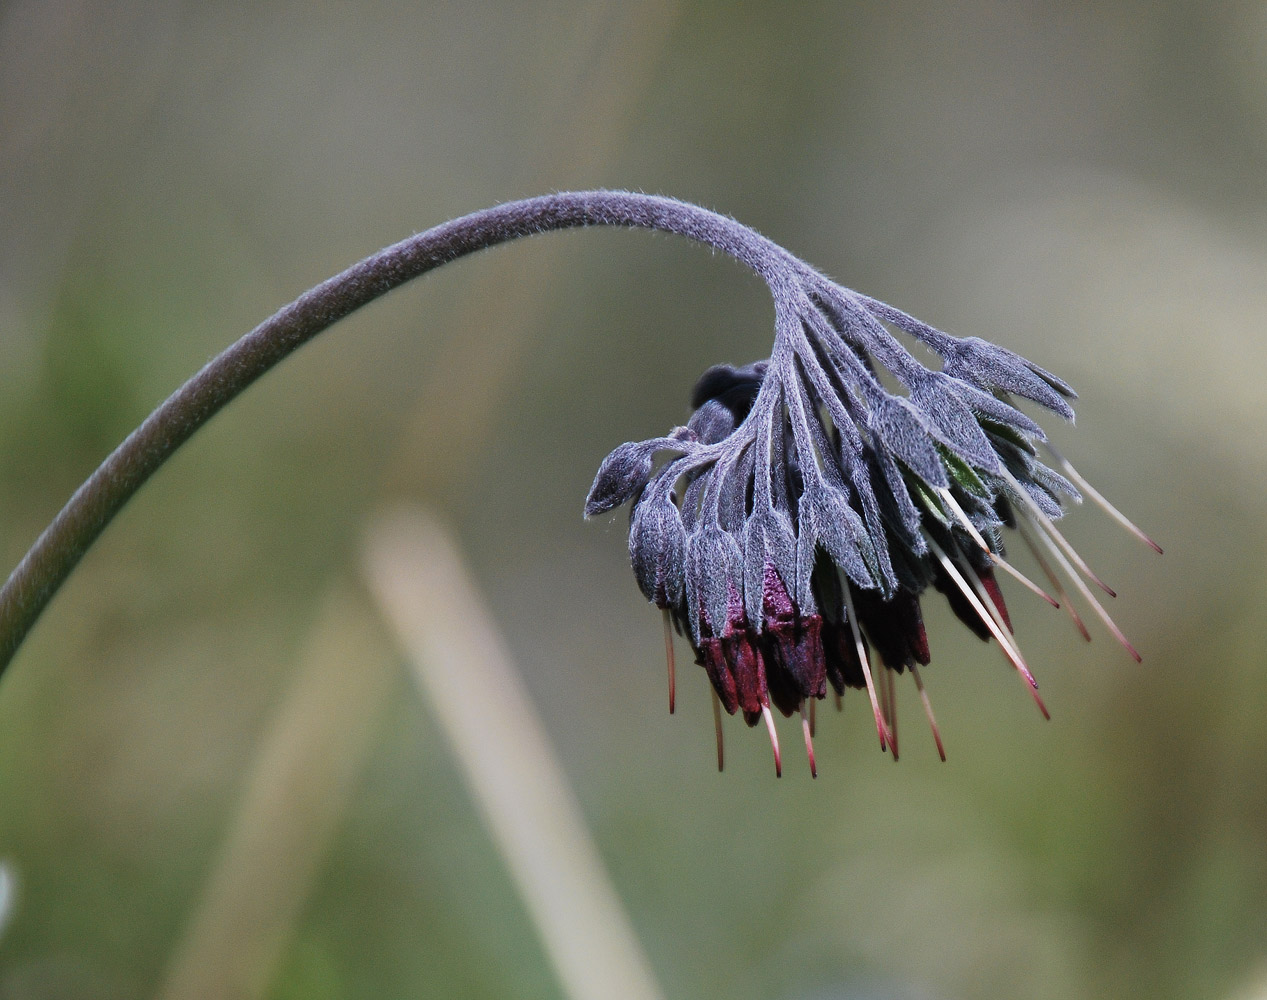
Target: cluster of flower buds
{"x":789,"y":530}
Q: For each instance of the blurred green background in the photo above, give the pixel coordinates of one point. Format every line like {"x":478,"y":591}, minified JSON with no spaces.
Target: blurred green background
{"x":1084,"y":184}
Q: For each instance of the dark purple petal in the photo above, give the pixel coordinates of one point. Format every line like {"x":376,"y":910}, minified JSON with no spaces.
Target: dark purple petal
{"x":712,"y":658}
{"x":840,"y":657}
{"x":712,"y":422}
{"x":991,"y":586}
{"x":748,"y":669}
{"x":895,"y":627}
{"x":734,"y":388}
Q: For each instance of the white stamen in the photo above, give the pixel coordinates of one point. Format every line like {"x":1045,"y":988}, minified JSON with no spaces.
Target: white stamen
{"x":774,"y":739}
{"x":1065,"y":601}
{"x":1098,"y":497}
{"x":928,"y":711}
{"x":1085,"y":591}
{"x":1022,"y":579}
{"x":807,"y":727}
{"x":890,"y":701}
{"x":997,"y":559}
{"x":964,"y":520}
{"x":1049,"y":529}
{"x":986,"y":600}
{"x":884,"y":692}
{"x":1010,"y":649}
{"x":880,"y":725}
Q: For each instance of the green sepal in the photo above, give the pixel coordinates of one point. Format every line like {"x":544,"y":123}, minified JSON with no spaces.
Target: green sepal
{"x":928,"y":499}
{"x":963,"y":475}
{"x":1007,"y":433}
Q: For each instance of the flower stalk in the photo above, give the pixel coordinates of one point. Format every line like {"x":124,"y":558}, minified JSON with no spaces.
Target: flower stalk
{"x":57,"y":551}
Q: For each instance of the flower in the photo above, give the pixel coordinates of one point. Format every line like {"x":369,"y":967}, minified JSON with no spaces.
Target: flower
{"x":795,"y":522}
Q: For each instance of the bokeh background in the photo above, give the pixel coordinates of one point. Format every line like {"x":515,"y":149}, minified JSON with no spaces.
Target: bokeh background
{"x":1085,"y":184}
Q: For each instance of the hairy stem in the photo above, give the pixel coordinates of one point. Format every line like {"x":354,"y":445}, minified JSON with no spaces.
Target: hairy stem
{"x":58,"y":550}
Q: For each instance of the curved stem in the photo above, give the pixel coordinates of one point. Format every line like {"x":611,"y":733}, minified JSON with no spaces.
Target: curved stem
{"x":58,"y":550}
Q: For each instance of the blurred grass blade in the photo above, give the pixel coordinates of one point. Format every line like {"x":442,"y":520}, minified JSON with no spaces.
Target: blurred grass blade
{"x":465,"y":672}
{"x":294,"y":798}
{"x":8,"y":894}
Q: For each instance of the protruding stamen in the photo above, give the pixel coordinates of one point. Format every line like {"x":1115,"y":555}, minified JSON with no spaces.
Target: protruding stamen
{"x":1098,"y":497}
{"x":890,"y":701}
{"x":1000,"y":633}
{"x":997,"y":559}
{"x":928,"y":711}
{"x":668,"y":655}
{"x":807,"y":727}
{"x":881,"y":726}
{"x":1053,"y":579}
{"x":1022,"y":579}
{"x":1050,"y":530}
{"x":721,"y":743}
{"x":964,"y":521}
{"x":987,"y":601}
{"x":813,"y":716}
{"x":774,"y":739}
{"x":838,"y":698}
{"x":1085,"y":591}
{"x":882,"y":692}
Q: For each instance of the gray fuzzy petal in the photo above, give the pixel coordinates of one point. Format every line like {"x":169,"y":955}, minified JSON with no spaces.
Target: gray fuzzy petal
{"x":713,"y":567}
{"x":897,"y":425}
{"x":903,"y":515}
{"x":989,"y":366}
{"x":994,"y":409}
{"x":806,"y":556}
{"x":768,"y":541}
{"x":839,"y":531}
{"x":657,"y":541}
{"x":959,"y":428}
{"x":732,"y":501}
{"x":623,"y":473}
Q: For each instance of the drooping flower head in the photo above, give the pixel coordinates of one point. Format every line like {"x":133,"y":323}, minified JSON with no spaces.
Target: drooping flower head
{"x":790,"y":529}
